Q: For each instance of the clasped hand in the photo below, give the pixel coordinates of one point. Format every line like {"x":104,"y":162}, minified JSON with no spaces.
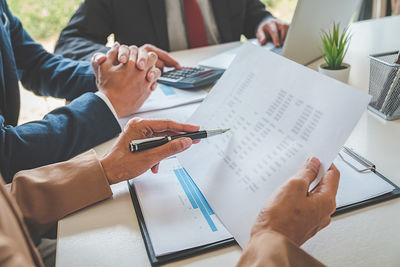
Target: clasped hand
{"x":128,"y":75}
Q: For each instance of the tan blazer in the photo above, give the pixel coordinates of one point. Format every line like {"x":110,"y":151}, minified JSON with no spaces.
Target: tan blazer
{"x":37,"y":198}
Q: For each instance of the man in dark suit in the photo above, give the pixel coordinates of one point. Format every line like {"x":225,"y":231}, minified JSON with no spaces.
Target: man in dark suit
{"x":90,"y":119}
{"x":168,"y":24}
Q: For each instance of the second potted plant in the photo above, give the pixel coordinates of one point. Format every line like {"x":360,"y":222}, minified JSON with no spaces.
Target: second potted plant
{"x":335,"y":44}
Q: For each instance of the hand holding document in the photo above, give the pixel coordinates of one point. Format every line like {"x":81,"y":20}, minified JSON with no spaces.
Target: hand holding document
{"x":279,"y":113}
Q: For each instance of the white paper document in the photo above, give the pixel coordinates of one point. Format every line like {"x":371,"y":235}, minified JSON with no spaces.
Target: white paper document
{"x":179,"y":114}
{"x":224,"y":59}
{"x":166,"y":97}
{"x":279,"y":113}
{"x":176,"y":213}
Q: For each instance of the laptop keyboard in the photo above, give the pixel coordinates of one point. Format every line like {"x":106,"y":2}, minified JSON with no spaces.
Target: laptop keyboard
{"x":277,"y":50}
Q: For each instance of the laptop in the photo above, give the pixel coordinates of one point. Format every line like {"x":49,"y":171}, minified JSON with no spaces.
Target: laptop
{"x":303,"y":40}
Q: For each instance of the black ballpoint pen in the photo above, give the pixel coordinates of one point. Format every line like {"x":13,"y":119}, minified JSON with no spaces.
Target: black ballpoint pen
{"x":142,"y":144}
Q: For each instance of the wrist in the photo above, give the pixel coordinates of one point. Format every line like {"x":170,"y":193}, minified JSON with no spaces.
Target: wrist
{"x":265,"y":235}
{"x":109,"y":102}
{"x":110,"y":170}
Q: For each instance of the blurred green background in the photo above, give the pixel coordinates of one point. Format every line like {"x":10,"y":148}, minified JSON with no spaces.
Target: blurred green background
{"x":43,"y":18}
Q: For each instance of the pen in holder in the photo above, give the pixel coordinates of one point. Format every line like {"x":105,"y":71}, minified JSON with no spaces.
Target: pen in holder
{"x":384,"y":85}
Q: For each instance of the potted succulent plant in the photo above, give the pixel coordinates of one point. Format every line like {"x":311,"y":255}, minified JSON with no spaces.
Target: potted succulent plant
{"x":335,"y":44}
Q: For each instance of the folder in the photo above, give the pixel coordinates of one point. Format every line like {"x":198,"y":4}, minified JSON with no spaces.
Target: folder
{"x":362,"y":167}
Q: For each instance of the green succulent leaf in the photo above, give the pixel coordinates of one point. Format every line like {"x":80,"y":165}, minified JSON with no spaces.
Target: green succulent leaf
{"x":334,"y":45}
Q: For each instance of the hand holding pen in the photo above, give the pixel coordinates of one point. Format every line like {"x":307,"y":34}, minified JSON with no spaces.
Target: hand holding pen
{"x":143,"y":144}
{"x":120,"y":164}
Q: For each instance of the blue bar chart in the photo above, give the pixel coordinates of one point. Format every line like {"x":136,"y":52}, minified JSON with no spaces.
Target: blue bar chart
{"x":196,"y":198}
{"x":167,"y":90}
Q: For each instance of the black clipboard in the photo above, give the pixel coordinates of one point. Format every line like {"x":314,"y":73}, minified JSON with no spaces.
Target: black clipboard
{"x":179,"y":255}
{"x":160,"y":260}
{"x":369,"y":166}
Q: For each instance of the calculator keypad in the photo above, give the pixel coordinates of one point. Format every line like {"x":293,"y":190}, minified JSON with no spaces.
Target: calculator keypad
{"x":183,"y":73}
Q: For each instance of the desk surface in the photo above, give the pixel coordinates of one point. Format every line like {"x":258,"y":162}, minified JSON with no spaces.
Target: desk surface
{"x":107,"y":234}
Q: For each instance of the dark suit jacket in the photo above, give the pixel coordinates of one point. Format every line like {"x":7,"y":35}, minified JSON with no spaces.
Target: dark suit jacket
{"x":66,"y":131}
{"x":140,"y":22}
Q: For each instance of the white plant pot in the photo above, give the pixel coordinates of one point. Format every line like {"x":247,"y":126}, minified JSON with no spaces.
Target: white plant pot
{"x":340,"y":75}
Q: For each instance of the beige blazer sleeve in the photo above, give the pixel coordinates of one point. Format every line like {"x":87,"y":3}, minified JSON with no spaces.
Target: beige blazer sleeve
{"x":274,"y":249}
{"x":47,"y":194}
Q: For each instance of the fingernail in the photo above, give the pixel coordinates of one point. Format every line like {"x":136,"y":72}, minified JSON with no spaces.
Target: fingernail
{"x":314,"y":161}
{"x":141,"y":64}
{"x":123,"y":59}
{"x":186,"y":142}
{"x":152,"y":75}
{"x":97,"y":58}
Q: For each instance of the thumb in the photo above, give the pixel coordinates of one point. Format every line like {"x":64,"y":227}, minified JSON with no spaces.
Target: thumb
{"x":309,"y":171}
{"x":170,"y":149}
{"x":97,"y":60}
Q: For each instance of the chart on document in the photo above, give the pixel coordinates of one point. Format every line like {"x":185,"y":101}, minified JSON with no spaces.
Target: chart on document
{"x":176,"y":213}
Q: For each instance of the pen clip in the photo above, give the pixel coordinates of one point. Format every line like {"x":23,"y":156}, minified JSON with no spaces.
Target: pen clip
{"x":139,"y":141}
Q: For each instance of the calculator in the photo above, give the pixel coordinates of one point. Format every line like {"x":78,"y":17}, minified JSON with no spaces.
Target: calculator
{"x":190,"y":77}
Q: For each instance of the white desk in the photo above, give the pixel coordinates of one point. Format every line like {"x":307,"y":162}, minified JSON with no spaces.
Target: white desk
{"x":107,"y":234}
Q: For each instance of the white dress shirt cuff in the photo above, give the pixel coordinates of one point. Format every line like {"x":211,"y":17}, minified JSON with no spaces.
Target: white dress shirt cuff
{"x":108,"y":103}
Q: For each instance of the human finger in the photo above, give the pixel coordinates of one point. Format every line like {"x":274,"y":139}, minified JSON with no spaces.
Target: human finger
{"x":164,"y":56}
{"x":153,"y":74}
{"x":155,"y":168}
{"x":283,"y":31}
{"x":326,"y":190}
{"x":160,"y":65}
{"x":308,"y":171}
{"x":169,"y":149}
{"x":142,"y":60}
{"x":261,"y":36}
{"x":96,"y":61}
{"x":140,"y":128}
{"x":112,"y":54}
{"x":166,"y":133}
{"x":123,"y":54}
{"x":133,"y":53}
{"x":272,"y":30}
{"x":152,"y":60}
{"x":330,"y":182}
{"x":168,"y":125}
{"x":154,"y":86}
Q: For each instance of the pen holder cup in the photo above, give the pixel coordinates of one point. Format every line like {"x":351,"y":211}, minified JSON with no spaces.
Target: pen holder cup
{"x":384,"y":85}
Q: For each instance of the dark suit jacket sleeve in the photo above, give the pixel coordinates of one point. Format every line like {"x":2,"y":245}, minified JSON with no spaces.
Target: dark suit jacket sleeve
{"x":62,"y":134}
{"x":87,"y":31}
{"x":44,"y":73}
{"x":47,"y":194}
{"x":255,"y":14}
